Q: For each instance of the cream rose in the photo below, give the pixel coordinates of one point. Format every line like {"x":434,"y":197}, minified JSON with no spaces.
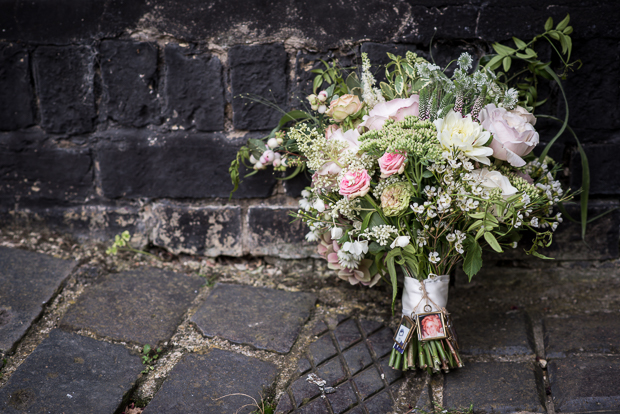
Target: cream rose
{"x":343,"y":107}
{"x":513,"y":132}
{"x":461,"y":133}
{"x":396,"y":109}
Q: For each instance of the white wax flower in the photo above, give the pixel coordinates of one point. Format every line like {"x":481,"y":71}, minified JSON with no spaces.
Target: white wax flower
{"x":433,"y":257}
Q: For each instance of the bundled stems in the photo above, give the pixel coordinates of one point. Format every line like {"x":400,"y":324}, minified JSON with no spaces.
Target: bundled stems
{"x":436,"y":355}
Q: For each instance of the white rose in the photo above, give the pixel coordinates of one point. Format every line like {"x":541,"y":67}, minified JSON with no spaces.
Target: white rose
{"x":494,"y":179}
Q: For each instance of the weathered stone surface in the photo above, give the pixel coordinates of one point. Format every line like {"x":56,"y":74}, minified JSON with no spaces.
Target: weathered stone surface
{"x":16,"y":97}
{"x":322,"y":349}
{"x":381,"y":342}
{"x":142,"y":306}
{"x":593,"y":332}
{"x":347,"y":333}
{"x":64,"y":84}
{"x":332,"y":372}
{"x":492,"y":333}
{"x":197,"y":381}
{"x":194,"y":90}
{"x":30,"y":171}
{"x":585,"y":384}
{"x":257,"y":70}
{"x":129,"y":81}
{"x":265,"y":318}
{"x":389,"y":374}
{"x":503,"y":387}
{"x":29,"y":280}
{"x":284,"y":405}
{"x":177,"y":165}
{"x":271,"y":232}
{"x":303,"y":391}
{"x":69,"y":373}
{"x":205,"y":231}
{"x":380,"y":403}
{"x":368,"y":382}
{"x":357,"y":358}
{"x":318,"y":406}
{"x":343,"y":399}
{"x":303,"y":365}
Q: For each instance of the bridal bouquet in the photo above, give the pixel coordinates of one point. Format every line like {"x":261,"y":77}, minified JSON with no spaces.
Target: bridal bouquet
{"x":416,"y":177}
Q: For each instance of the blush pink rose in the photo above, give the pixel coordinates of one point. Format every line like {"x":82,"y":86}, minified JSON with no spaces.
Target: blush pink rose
{"x":330,"y":130}
{"x":513,"y":132}
{"x":396,"y":109}
{"x":392,"y":163}
{"x":355,"y":184}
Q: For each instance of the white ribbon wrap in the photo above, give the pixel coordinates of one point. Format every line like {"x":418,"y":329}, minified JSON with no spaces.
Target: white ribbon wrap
{"x":436,"y":290}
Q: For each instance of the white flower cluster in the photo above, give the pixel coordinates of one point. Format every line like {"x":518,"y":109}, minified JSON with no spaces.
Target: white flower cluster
{"x":352,"y":253}
{"x":382,"y":185}
{"x":346,"y":207}
{"x":381,"y":234}
{"x":370,"y":94}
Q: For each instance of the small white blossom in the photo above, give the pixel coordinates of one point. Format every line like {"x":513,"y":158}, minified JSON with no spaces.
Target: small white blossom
{"x":336,"y":233}
{"x":433,"y":257}
{"x":401,"y":241}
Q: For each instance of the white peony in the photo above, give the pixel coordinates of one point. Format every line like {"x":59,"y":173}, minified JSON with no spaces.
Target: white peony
{"x":465,"y":135}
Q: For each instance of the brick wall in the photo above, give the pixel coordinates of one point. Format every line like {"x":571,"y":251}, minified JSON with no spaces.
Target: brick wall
{"x":125,"y":115}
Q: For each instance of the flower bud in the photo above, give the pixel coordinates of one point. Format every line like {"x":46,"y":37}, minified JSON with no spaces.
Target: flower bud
{"x":269,"y":156}
{"x":321,"y":109}
{"x":322,"y":96}
{"x":336,"y":233}
{"x":253,"y":160}
{"x":272,"y":143}
{"x":277,"y":162}
{"x":280,"y":141}
{"x":258,"y":165}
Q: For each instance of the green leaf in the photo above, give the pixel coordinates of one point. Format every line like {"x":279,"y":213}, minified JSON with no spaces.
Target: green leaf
{"x":387,"y":90}
{"x":292,"y":175}
{"x":366,"y":221}
{"x":293,"y":116}
{"x":490,"y":238}
{"x":554,"y":35}
{"x":427,"y":174}
{"x":399,"y":84}
{"x":549,"y":24}
{"x":520,"y":43}
{"x":408,"y":69}
{"x":502,"y":50}
{"x":374,"y":248}
{"x":530,"y":52}
{"x":495,"y":62}
{"x":568,"y":30}
{"x":473,"y":259}
{"x":146,"y":349}
{"x":506,"y":63}
{"x":563,"y":43}
{"x":393,"y":278}
{"x":353,"y":81}
{"x":540,"y":256}
{"x":562,"y":25}
{"x":475,"y":225}
{"x":318,"y":81}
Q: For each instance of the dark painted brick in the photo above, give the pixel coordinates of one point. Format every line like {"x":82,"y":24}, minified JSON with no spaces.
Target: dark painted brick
{"x":129,"y":78}
{"x":585,"y":384}
{"x":380,"y":403}
{"x":204,"y":231}
{"x":64,"y":79}
{"x":43,"y":172}
{"x":604,"y":175}
{"x":322,"y":349}
{"x":357,"y":357}
{"x":303,"y":390}
{"x":453,"y":22}
{"x":297,"y":184}
{"x":285,"y":405}
{"x":257,"y":70}
{"x":197,"y":380}
{"x":370,"y":326}
{"x":347,"y":333}
{"x":332,"y":372}
{"x":593,"y":332}
{"x":194,"y":91}
{"x":265,"y":318}
{"x":177,"y":165}
{"x":272,"y":233}
{"x":16,"y":97}
{"x":343,"y":399}
{"x":368,"y":382}
{"x":503,"y":387}
{"x":381,"y":342}
{"x":71,"y":373}
{"x":29,"y":280}
{"x":505,"y":333}
{"x":142,"y":306}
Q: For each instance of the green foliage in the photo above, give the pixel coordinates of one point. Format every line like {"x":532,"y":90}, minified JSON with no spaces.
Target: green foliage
{"x":149,"y":357}
{"x":121,"y":242}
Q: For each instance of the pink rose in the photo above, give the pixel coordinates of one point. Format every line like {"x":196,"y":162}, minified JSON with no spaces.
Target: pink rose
{"x":355,"y":184}
{"x":330,"y":130}
{"x":396,"y":109}
{"x":513,"y":132}
{"x":352,"y":144}
{"x":392,"y":163}
{"x":343,"y":107}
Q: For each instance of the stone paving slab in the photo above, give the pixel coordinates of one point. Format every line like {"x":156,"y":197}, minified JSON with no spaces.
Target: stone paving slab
{"x":493,"y":333}
{"x":595,"y":332}
{"x":264,"y":318}
{"x":499,"y":387}
{"x":584,"y":384}
{"x":142,"y":306}
{"x":27,"y":281}
{"x":350,"y":359}
{"x":68,"y":373}
{"x":197,"y":381}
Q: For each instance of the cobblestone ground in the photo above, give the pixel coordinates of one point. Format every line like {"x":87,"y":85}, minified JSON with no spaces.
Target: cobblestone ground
{"x":225,"y":334}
